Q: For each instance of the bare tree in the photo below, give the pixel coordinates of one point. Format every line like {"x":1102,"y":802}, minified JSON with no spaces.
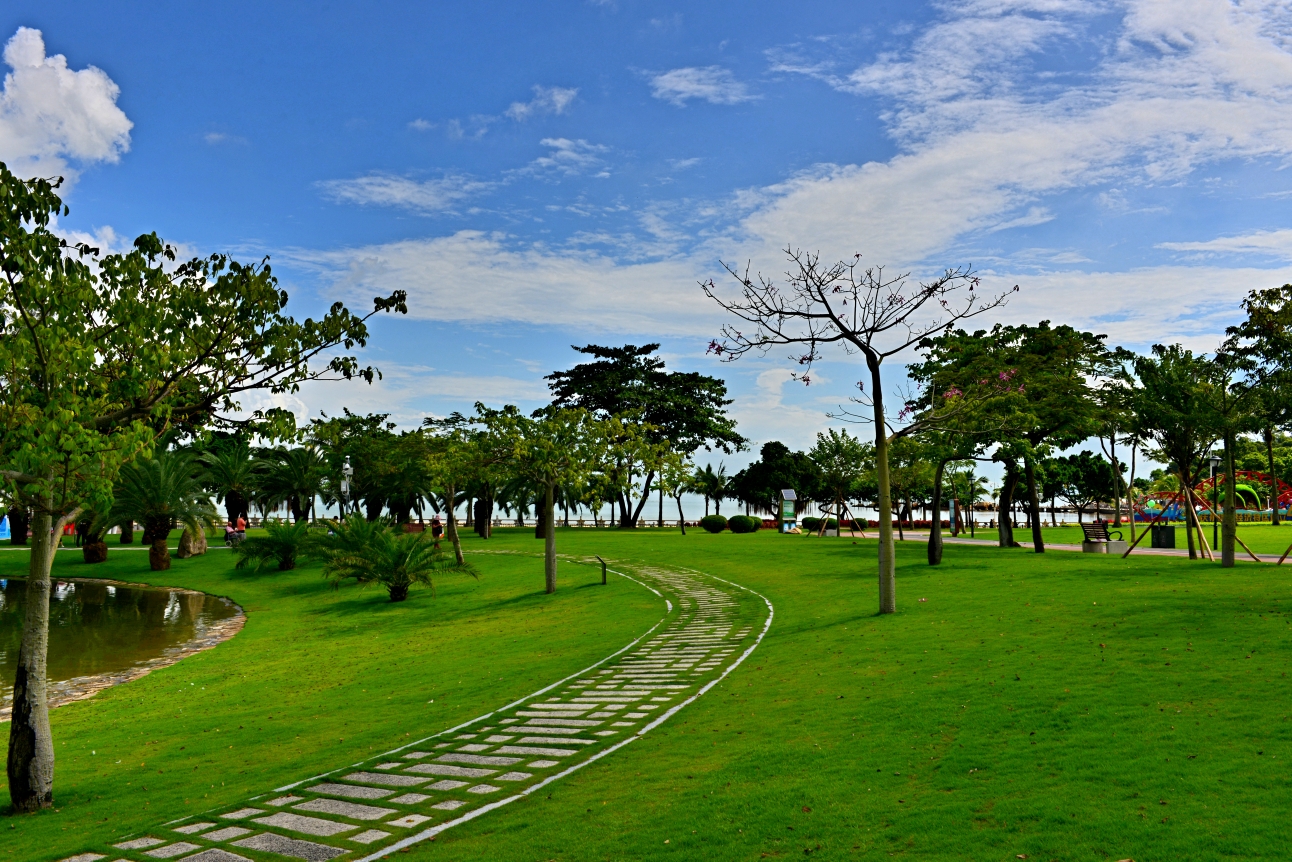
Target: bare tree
{"x":864,"y":310}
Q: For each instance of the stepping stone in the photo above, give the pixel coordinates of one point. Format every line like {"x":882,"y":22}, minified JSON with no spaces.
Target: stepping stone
{"x":543,"y":764}
{"x":85,"y":857}
{"x":388,"y":766}
{"x":635,"y":715}
{"x":558,"y":731}
{"x":478,"y":759}
{"x":350,"y":791}
{"x":190,"y":828}
{"x":562,"y":722}
{"x":353,"y":810}
{"x":215,"y":854}
{"x":483,"y":788}
{"x":448,"y":784}
{"x":171,"y":851}
{"x":300,"y":823}
{"x":410,"y":820}
{"x":445,"y":769}
{"x":476,"y":746}
{"x":496,"y":738}
{"x":411,"y":798}
{"x":139,"y":843}
{"x":622,"y":724}
{"x":284,"y":800}
{"x":370,"y":836}
{"x":509,"y":721}
{"x":416,"y":755}
{"x":284,"y":846}
{"x":466,"y":736}
{"x":241,"y":813}
{"x":388,"y":780}
{"x":446,"y":805}
{"x":556,"y":740}
{"x":228,"y":833}
{"x":513,"y":776}
{"x":523,"y":749}
{"x":444,"y":745}
{"x":605,"y":733}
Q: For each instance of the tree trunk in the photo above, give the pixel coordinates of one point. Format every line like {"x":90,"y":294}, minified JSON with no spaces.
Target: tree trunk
{"x":1130,"y":491}
{"x":542,"y":519}
{"x":128,"y":533}
{"x":1189,"y":517}
{"x":19,"y":524}
{"x":451,"y":527}
{"x":1229,"y":526}
{"x":31,"y":747}
{"x":1274,"y":479}
{"x":935,"y":526}
{"x":1117,"y":480}
{"x":887,"y":550}
{"x":234,"y":503}
{"x":159,"y":555}
{"x":549,"y":548}
{"x":681,"y":519}
{"x":398,"y":592}
{"x":661,"y":507}
{"x":1034,"y":502}
{"x":1005,"y":533}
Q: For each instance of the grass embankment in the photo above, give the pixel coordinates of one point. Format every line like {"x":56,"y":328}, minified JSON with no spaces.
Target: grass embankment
{"x":316,"y":679}
{"x":1063,"y":706}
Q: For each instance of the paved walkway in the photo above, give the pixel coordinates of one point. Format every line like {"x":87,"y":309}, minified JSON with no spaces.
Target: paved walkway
{"x":368,"y":809}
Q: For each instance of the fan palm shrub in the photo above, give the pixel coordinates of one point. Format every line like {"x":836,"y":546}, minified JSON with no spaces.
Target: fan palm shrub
{"x":230,"y":472}
{"x":294,"y":477}
{"x":281,"y":544}
{"x":161,"y":493}
{"x":374,"y":552}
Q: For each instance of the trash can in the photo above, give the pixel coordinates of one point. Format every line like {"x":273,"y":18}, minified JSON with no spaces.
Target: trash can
{"x":1162,"y":536}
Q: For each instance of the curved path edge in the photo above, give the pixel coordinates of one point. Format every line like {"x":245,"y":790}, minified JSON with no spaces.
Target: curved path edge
{"x":356,"y":813}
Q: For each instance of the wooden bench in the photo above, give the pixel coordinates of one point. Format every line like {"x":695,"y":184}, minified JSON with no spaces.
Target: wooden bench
{"x":1098,"y":541}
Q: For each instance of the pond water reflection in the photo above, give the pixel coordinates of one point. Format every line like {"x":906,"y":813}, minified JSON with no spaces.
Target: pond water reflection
{"x":98,"y":628}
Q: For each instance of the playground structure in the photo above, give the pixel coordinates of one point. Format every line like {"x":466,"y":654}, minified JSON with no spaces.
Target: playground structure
{"x":1194,"y":506}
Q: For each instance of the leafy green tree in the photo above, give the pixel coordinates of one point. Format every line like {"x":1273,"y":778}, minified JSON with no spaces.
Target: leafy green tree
{"x":777,"y":469}
{"x":230,"y":472}
{"x":161,"y":493}
{"x":454,"y":460}
{"x":1174,"y":409}
{"x":1087,"y":479}
{"x":557,"y":446}
{"x":96,"y":362}
{"x":684,"y":411}
{"x":280,"y":546}
{"x":294,"y":477}
{"x":676,"y":478}
{"x":841,"y":461}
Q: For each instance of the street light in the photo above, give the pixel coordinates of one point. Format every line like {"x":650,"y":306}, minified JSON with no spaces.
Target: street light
{"x":1215,"y":462}
{"x":347,"y":473}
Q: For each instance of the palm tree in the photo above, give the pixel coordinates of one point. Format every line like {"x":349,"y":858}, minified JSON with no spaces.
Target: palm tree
{"x":162,"y":493}
{"x":375,"y":552}
{"x":231,"y":473}
{"x":294,"y":477}
{"x":713,"y":485}
{"x":280,"y":545}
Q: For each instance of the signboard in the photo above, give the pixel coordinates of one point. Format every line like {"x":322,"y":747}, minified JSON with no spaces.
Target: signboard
{"x":4,"y":528}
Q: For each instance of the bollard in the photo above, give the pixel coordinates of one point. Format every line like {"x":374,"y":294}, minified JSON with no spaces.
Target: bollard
{"x":603,"y":570}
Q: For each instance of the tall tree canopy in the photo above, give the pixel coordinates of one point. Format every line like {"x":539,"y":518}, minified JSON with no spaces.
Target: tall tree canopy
{"x":96,"y":362}
{"x":686,"y":410}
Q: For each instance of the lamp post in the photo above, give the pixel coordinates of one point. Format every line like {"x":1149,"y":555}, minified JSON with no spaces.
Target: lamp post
{"x":1215,"y":462}
{"x":347,"y":473}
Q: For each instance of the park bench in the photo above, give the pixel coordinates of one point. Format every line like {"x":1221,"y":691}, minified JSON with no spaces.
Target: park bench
{"x":1098,"y":541}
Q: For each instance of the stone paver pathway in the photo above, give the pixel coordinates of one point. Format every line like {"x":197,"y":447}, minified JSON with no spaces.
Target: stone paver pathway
{"x":368,"y":809}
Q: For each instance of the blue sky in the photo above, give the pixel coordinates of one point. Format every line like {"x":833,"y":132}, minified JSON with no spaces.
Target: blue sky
{"x":541,"y":175}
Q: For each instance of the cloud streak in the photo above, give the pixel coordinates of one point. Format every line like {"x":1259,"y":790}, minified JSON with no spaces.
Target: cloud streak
{"x":712,"y":84}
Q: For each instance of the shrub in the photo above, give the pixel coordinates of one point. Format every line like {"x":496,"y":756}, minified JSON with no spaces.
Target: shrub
{"x":744,"y":524}
{"x":713,"y":523}
{"x":377,"y":552}
{"x":810,"y":524}
{"x":280,"y":546}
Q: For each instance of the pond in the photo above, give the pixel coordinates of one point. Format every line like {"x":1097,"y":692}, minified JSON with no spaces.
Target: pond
{"x":102,"y":633}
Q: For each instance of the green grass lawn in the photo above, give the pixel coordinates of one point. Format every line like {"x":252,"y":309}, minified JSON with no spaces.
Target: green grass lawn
{"x":1063,"y":706}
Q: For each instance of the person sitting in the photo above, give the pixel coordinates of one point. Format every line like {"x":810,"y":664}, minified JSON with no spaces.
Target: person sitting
{"x":437,"y":530}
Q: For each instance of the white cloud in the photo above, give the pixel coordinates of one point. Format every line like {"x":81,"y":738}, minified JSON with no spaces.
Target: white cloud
{"x":420,"y":125}
{"x":1178,"y":85}
{"x":50,"y":114}
{"x":569,"y":158}
{"x":547,"y":100}
{"x":713,"y":84}
{"x":1274,"y":243}
{"x":387,"y":190}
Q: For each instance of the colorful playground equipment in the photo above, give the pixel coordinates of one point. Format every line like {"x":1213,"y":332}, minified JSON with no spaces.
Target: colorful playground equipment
{"x":1251,"y":494}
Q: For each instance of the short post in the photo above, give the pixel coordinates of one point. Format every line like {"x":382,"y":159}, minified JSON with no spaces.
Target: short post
{"x":603,"y":570}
